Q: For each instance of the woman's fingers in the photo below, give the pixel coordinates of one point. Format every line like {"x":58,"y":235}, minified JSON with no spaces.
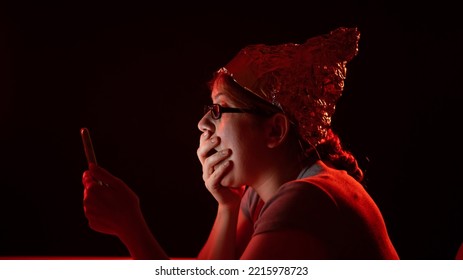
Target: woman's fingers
{"x":89,"y":181}
{"x":103,"y":177}
{"x":214,"y":161}
{"x":217,"y":175}
{"x":107,"y":208}
{"x":206,"y":147}
{"x":206,"y":135}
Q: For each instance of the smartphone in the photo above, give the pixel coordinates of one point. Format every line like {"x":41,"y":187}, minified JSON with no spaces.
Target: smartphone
{"x":88,"y":146}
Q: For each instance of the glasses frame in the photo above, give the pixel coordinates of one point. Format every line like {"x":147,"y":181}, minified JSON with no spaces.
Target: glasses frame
{"x":221,"y":109}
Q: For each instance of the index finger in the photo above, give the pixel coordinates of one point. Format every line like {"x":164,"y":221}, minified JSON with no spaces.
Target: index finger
{"x":88,"y":146}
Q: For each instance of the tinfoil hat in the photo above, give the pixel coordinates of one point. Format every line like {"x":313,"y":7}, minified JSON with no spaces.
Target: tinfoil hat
{"x":304,"y":80}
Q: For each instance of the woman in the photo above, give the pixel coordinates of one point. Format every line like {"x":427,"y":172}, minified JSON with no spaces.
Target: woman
{"x":285,"y":187}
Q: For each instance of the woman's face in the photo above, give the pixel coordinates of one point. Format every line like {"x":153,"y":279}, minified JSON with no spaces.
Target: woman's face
{"x":240,"y":132}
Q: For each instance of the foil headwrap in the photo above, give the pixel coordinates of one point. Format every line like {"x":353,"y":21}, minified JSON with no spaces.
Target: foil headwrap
{"x":304,"y":80}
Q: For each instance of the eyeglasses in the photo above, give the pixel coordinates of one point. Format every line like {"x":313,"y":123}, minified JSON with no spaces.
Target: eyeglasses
{"x":217,"y":110}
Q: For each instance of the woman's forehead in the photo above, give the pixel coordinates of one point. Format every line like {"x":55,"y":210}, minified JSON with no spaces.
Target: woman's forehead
{"x":220,"y":91}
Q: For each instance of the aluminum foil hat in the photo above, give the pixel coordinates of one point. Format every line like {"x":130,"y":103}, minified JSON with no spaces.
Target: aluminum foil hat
{"x":304,"y":80}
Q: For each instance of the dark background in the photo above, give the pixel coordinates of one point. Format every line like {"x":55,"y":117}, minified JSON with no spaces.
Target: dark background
{"x":135,"y":74}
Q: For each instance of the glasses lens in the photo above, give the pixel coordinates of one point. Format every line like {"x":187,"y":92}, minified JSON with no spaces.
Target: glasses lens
{"x":215,"y":110}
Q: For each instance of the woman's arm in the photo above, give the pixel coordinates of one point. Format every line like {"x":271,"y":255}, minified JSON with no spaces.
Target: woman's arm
{"x":222,"y":238}
{"x":221,"y":233}
{"x":141,"y":243}
{"x":221,"y":243}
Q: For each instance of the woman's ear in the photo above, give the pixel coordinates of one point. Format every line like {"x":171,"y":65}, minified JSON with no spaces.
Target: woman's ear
{"x":277,"y":129}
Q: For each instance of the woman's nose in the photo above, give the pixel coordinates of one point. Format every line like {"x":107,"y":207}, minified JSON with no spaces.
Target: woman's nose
{"x":205,"y":123}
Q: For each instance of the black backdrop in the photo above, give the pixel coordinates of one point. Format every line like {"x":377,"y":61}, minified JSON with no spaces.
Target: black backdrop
{"x":135,"y":74}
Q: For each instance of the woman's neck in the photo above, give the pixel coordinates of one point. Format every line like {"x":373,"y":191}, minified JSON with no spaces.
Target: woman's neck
{"x":275,"y":176}
{"x":285,"y":165}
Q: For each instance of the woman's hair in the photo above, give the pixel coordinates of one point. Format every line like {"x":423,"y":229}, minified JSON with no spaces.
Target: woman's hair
{"x":329,"y":149}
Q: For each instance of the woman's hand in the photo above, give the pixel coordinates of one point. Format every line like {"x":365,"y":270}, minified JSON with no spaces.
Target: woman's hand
{"x":110,"y":206}
{"x":216,"y":164}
